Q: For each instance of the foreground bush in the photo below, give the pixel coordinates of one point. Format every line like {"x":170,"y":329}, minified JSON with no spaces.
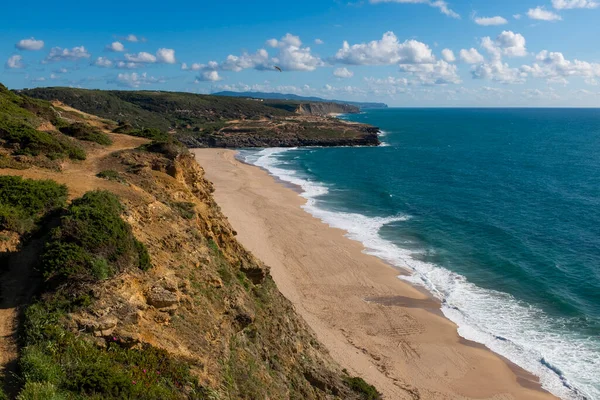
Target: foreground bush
{"x":23,"y":202}
{"x":92,"y":242}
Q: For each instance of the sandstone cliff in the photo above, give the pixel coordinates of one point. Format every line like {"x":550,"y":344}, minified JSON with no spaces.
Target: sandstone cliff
{"x":326,"y":109}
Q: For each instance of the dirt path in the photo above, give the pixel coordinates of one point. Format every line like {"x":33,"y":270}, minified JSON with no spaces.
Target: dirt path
{"x":18,"y":282}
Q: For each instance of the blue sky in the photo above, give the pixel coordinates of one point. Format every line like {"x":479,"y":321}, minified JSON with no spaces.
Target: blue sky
{"x":402,"y":52}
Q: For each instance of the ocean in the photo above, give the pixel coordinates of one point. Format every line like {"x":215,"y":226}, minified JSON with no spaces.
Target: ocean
{"x":495,"y":211}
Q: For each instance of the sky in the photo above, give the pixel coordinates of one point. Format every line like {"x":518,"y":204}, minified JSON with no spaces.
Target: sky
{"x":406,"y":53}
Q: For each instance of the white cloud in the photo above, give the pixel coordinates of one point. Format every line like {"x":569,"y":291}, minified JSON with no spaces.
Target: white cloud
{"x":259,"y":60}
{"x":128,"y":65}
{"x":115,"y":46}
{"x":498,"y":71}
{"x":59,"y":54}
{"x":343,"y":73}
{"x":471,"y":56}
{"x":540,"y":13}
{"x":438,"y":73}
{"x":538,"y":94}
{"x":570,"y":4}
{"x":54,"y":76}
{"x":439,"y":4}
{"x":319,"y":41}
{"x":141,"y":57}
{"x":507,"y":43}
{"x":30,"y":44}
{"x":211,"y":76}
{"x":212,"y":65}
{"x":132,"y":38}
{"x":15,"y":62}
{"x":490,"y":21}
{"x":517,"y":16}
{"x":293,"y":57}
{"x":386,"y":51}
{"x":553,"y":67}
{"x":135,"y":80}
{"x":448,"y":55}
{"x":103,"y":62}
{"x":272,"y":42}
{"x":40,"y":79}
{"x":166,"y":56}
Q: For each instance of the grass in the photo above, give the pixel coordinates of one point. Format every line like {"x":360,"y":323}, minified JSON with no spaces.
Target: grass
{"x":23,"y":202}
{"x":88,"y":133}
{"x":185,"y":209}
{"x":92,"y":242}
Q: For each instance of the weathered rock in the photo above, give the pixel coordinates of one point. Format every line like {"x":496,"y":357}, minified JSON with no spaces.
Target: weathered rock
{"x":160,"y":297}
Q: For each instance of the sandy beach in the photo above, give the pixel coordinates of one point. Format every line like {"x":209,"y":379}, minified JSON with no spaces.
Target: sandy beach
{"x":372,"y":323}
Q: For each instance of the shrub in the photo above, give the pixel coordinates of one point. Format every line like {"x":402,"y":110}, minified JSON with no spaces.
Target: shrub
{"x":58,"y":361}
{"x":28,"y":141}
{"x":171,"y":148}
{"x":24,"y":201}
{"x":3,"y":395}
{"x":92,"y":241}
{"x":111,"y":175}
{"x":40,"y":391}
{"x":362,"y":388}
{"x":86,"y":132}
{"x":185,"y":209}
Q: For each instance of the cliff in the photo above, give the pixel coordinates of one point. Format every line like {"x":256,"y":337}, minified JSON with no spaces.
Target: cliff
{"x":140,"y":289}
{"x":324,"y":109}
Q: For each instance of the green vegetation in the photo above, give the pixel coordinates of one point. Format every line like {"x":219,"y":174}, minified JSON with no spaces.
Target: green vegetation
{"x":92,"y":241}
{"x":185,"y":209}
{"x":148,"y":133}
{"x":170,"y":148}
{"x":3,"y":395}
{"x":23,"y":202}
{"x":89,"y":133}
{"x":19,"y":118}
{"x":159,"y":110}
{"x":111,"y":175}
{"x":366,"y":391}
{"x":57,"y":364}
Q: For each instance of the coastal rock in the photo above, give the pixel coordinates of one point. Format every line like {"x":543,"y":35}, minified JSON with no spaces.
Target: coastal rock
{"x":160,"y":297}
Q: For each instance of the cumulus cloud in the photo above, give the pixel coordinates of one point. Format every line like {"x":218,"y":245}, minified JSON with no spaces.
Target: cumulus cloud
{"x":115,"y":47}
{"x":259,"y":60}
{"x":555,"y":68}
{"x":211,"y":76}
{"x":448,"y":55}
{"x":570,"y":4}
{"x":103,"y":62}
{"x":15,"y":62}
{"x":141,"y":57}
{"x":166,"y":56}
{"x":540,"y":13}
{"x":490,"y":21}
{"x":319,"y":41}
{"x":498,"y":71}
{"x":132,"y":38}
{"x":517,"y":16}
{"x":439,"y":4}
{"x":343,"y":73}
{"x":293,"y":57}
{"x":386,"y":51}
{"x":135,"y":80}
{"x":438,"y":73}
{"x":30,"y":44}
{"x":507,"y":43}
{"x":128,"y":65}
{"x":59,"y":54}
{"x":471,"y":56}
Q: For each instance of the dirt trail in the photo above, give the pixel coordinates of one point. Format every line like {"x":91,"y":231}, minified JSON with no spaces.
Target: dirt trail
{"x":18,"y":281}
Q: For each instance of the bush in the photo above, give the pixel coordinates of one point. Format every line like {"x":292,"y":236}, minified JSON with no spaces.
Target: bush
{"x":40,"y":391}
{"x":86,"y":132}
{"x":366,"y":391}
{"x":56,"y":360}
{"x":24,"y":201}
{"x":185,"y":209}
{"x":28,"y":141}
{"x":111,"y":175}
{"x":92,"y":242}
{"x":3,"y":395}
{"x":171,"y":148}
{"x":148,"y":133}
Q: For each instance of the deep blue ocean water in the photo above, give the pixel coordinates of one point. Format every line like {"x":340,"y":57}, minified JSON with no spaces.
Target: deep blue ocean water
{"x":495,"y":211}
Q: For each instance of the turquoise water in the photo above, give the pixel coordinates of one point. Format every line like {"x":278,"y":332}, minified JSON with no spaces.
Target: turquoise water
{"x":495,"y":211}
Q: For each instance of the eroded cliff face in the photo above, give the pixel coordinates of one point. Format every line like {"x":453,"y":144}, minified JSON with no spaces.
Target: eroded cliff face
{"x":326,"y":109}
{"x":207,"y":299}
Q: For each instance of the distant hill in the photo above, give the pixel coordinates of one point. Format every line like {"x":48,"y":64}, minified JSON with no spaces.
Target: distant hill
{"x":283,"y":96}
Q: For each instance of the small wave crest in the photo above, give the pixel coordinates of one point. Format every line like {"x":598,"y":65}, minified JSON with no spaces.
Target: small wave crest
{"x":566,"y":364}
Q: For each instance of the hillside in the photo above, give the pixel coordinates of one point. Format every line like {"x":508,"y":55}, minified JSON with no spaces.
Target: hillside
{"x":295,"y":97}
{"x":213,"y":121}
{"x":125,"y":280}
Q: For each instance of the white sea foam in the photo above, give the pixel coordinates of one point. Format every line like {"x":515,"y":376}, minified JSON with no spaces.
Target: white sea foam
{"x":567,"y":364}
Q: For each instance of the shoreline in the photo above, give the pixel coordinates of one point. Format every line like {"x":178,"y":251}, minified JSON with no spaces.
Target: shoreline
{"x":377,"y":326}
